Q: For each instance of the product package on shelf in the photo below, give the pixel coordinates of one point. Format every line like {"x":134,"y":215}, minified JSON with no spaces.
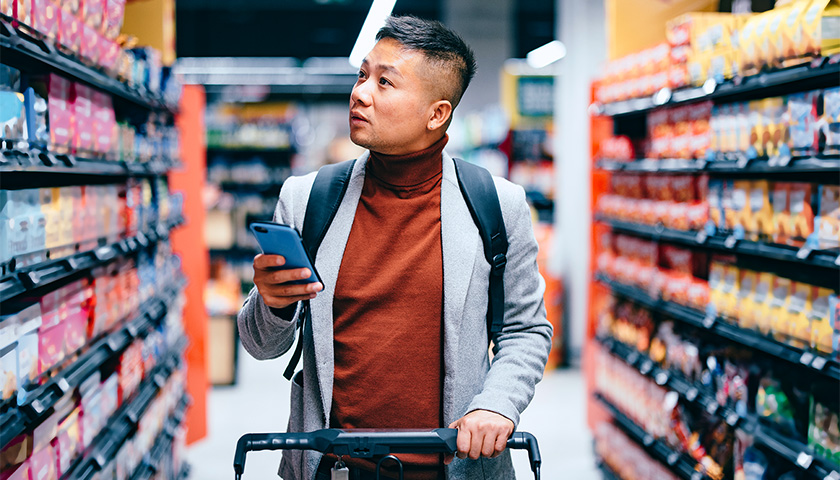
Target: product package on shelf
{"x":625,"y":457}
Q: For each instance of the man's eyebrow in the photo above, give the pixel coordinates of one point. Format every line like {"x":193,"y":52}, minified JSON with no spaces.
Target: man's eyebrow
{"x":382,"y":66}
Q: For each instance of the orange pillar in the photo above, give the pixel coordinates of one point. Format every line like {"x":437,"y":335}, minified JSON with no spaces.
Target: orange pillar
{"x":188,"y":243}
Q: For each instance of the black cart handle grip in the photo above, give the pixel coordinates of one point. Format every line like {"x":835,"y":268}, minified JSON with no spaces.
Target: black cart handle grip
{"x":370,"y":443}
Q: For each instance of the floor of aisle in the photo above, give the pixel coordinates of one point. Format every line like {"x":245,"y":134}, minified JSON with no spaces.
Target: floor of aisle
{"x":260,"y":402}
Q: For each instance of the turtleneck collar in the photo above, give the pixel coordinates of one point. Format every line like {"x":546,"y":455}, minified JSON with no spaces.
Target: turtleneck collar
{"x":410,"y":169}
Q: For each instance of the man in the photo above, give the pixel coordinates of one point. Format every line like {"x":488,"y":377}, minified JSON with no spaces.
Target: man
{"x":398,"y":331}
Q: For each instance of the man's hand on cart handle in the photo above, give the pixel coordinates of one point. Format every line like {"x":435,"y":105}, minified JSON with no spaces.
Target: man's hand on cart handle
{"x":481,"y":433}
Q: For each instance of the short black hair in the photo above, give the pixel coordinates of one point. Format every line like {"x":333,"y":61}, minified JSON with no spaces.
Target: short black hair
{"x":437,"y":42}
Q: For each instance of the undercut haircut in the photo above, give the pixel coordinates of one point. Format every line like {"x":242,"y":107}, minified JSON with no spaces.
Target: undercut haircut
{"x":440,"y":45}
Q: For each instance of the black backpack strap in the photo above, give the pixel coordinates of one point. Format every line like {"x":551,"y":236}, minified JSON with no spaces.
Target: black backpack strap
{"x":483,"y":202}
{"x":324,"y":199}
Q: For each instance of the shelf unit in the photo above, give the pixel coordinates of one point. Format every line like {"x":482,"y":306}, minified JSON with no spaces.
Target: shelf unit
{"x":163,"y":443}
{"x":814,"y":267}
{"x":123,"y":424}
{"x":806,"y":360}
{"x":792,"y":451}
{"x":821,"y":72}
{"x":34,"y":54}
{"x":24,"y":51}
{"x":681,"y":464}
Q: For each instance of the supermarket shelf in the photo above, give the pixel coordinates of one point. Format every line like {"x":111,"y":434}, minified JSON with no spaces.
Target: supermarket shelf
{"x":809,"y":258}
{"x":41,"y":400}
{"x":235,"y":251}
{"x":27,"y":279}
{"x":163,"y":444}
{"x":123,"y":424}
{"x":809,"y":361}
{"x":16,"y":163}
{"x":670,"y":379}
{"x":185,"y":472}
{"x":263,"y":188}
{"x":682,"y":465}
{"x":816,"y":166}
{"x":820,"y":73}
{"x":607,"y":473}
{"x":219,"y":150}
{"x":792,"y":451}
{"x":23,"y":51}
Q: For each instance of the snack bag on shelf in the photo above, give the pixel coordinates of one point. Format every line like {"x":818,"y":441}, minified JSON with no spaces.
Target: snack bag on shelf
{"x":760,"y":304}
{"x":801,"y":212}
{"x":776,"y":123}
{"x":746,"y":304}
{"x":699,"y":68}
{"x":679,"y":272}
{"x":774,"y":35}
{"x":798,"y":331}
{"x":759,"y":225}
{"x":715,"y":200}
{"x":660,"y":132}
{"x":45,"y":18}
{"x":827,"y":224}
{"x":823,"y":432}
{"x":744,"y":126}
{"x":834,"y":321}
{"x":830,"y":122}
{"x":789,"y":42}
{"x":113,"y":19}
{"x":781,"y":212}
{"x":802,"y":115}
{"x":676,"y":215}
{"x":699,"y":116}
{"x":819,"y":314}
{"x":739,"y":215}
{"x":682,"y":136}
{"x":759,"y":129}
{"x":778,"y":313}
{"x":820,"y":35}
{"x":717,"y":272}
{"x":731,"y":278}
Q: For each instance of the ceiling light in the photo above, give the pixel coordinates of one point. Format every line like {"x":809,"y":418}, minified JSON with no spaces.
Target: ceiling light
{"x":546,"y":55}
{"x":379,"y":12}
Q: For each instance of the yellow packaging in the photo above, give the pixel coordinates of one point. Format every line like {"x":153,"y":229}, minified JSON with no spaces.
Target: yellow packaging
{"x":827,"y":224}
{"x":820,"y":316}
{"x":746,"y":305}
{"x":758,"y":127}
{"x":775,"y":34}
{"x":762,"y":39}
{"x":775,"y":126}
{"x":698,"y":67}
{"x":743,"y":127}
{"x":759,"y":225}
{"x":720,"y":65}
{"x":741,"y":205}
{"x":782,"y":223}
{"x":52,"y":216}
{"x":790,"y":41}
{"x":747,"y":44}
{"x":761,"y":302}
{"x":731,"y":280}
{"x":820,"y":30}
{"x":778,"y":309}
{"x":798,"y":323}
{"x":717,"y":272}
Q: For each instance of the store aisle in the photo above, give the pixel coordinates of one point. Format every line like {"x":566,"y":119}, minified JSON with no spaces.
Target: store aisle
{"x":260,"y":402}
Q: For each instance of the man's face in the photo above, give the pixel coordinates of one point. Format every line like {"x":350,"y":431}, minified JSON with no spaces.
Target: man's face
{"x":392,"y":101}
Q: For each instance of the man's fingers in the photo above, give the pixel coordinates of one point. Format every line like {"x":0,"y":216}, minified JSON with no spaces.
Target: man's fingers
{"x":501,"y":445}
{"x":447,"y":458}
{"x":488,"y":446}
{"x":263,"y":261}
{"x":464,"y":442}
{"x":476,"y":445}
{"x":283,"y":302}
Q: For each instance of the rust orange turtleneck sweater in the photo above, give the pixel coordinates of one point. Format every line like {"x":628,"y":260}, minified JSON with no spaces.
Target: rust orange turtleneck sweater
{"x":388,"y":305}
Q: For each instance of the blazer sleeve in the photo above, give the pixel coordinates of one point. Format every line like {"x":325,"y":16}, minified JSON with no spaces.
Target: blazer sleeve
{"x":263,"y":333}
{"x":520,"y":350}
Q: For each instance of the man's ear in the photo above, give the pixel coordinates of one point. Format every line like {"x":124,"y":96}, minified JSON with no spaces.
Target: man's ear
{"x":441,"y":113}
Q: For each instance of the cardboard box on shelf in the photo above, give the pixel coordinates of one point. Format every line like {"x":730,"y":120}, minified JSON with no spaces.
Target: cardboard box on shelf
{"x":827,"y":224}
{"x":759,"y":224}
{"x":830,"y":122}
{"x":798,"y":330}
{"x":782,"y":224}
{"x":801,"y":212}
{"x":778,"y":311}
{"x":59,"y":93}
{"x":820,"y":315}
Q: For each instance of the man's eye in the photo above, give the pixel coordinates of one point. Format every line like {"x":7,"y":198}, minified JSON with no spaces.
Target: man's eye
{"x":384,"y":81}
{"x":361,"y":74}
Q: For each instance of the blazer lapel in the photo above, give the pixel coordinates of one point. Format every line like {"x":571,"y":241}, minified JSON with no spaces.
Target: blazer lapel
{"x":459,"y":238}
{"x":327,"y":263}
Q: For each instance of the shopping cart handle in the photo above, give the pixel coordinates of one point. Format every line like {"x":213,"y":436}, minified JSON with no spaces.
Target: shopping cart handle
{"x":370,"y":443}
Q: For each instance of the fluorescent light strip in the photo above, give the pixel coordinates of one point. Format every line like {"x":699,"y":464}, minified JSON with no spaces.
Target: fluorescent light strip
{"x":546,"y":55}
{"x":379,"y":12}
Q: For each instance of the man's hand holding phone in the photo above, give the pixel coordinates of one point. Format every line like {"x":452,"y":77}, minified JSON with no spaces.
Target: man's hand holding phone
{"x":275,"y":283}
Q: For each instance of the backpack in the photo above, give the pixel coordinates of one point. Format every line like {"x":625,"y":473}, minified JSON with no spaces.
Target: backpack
{"x":479,"y":192}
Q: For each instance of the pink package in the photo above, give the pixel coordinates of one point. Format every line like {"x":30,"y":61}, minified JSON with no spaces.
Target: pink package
{"x":104,"y":122}
{"x":42,"y":465}
{"x":114,"y":16}
{"x":92,"y":12}
{"x":75,"y":329}
{"x":45,"y":18}
{"x":21,"y":473}
{"x":51,"y":346}
{"x":69,"y":30}
{"x":89,"y":49}
{"x":82,"y":108}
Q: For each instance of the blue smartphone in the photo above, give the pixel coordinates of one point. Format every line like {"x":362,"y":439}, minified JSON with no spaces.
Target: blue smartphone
{"x":279,"y":239}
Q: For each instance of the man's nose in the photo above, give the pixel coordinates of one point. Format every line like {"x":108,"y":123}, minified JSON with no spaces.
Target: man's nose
{"x":360,"y":94}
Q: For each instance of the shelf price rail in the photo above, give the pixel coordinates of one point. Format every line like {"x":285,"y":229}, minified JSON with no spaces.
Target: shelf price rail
{"x":17,"y":421}
{"x":811,"y":362}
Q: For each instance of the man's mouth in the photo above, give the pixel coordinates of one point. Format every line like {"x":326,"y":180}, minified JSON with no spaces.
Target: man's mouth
{"x":358,"y":117}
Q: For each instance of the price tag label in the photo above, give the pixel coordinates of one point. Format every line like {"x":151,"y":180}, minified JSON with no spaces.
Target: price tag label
{"x":648,"y":440}
{"x":691,"y":394}
{"x":732,"y":419}
{"x":63,"y":385}
{"x":804,"y":460}
{"x":646,"y":367}
{"x":632,"y":358}
{"x":803,"y":252}
{"x":784,"y":160}
{"x":742,"y":162}
{"x":701,"y":237}
{"x":661,"y":378}
{"x":673,"y":458}
{"x":730,"y":242}
{"x":819,"y":363}
{"x":806,"y":358}
{"x":709,"y":321}
{"x":832,"y":476}
{"x":837,"y":261}
{"x":712,"y":407}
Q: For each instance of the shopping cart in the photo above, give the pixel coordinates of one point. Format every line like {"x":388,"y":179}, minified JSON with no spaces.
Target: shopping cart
{"x":372,"y":443}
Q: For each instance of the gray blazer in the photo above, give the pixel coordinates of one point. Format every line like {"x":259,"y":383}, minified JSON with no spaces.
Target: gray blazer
{"x":471,"y":380}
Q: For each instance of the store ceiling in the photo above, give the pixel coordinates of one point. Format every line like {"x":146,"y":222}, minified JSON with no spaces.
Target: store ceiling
{"x":317,"y":28}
